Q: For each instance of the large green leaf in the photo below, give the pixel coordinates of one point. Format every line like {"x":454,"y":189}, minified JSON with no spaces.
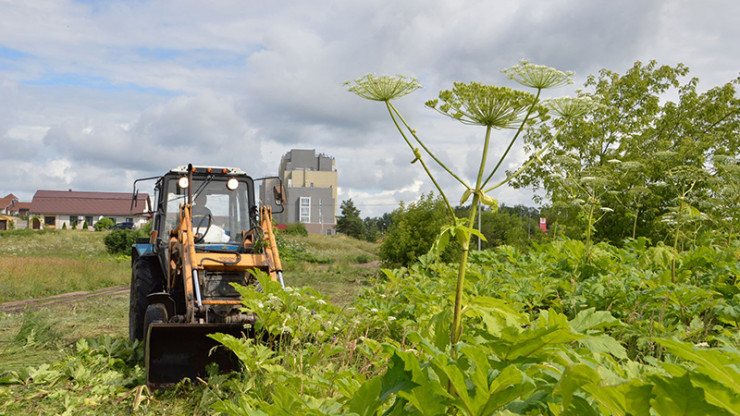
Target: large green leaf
{"x":604,"y":344}
{"x":716,"y":393}
{"x":509,"y":385}
{"x":366,"y":400}
{"x":718,"y":365}
{"x":677,"y":396}
{"x":591,"y":319}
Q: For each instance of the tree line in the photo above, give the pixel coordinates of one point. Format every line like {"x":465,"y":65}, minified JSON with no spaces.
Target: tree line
{"x":409,"y":231}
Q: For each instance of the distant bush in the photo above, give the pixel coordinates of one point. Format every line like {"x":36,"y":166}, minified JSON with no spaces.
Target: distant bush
{"x":104,"y":223}
{"x":296,"y":229}
{"x":85,"y":225}
{"x":120,"y":241}
{"x":363,"y":258}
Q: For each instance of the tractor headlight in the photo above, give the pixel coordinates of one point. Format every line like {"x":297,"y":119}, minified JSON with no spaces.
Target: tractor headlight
{"x":183,"y":182}
{"x":232,"y":184}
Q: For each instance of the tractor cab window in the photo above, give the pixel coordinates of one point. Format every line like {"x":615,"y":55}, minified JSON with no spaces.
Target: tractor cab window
{"x":219,"y":213}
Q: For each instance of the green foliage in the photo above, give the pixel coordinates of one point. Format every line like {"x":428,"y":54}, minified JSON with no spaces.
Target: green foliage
{"x":653,"y":147}
{"x":414,"y":228}
{"x":104,"y":224}
{"x":120,"y":241}
{"x":292,"y":251}
{"x":295,"y":228}
{"x":377,"y":226}
{"x":350,"y":223}
{"x":546,"y":333}
{"x":98,"y":376}
{"x":514,"y":226}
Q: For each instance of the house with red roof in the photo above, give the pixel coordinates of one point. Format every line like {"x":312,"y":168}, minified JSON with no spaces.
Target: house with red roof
{"x":57,"y":209}
{"x":7,"y":203}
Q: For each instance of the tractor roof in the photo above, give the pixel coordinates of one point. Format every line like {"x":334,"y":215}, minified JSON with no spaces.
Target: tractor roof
{"x":209,"y":169}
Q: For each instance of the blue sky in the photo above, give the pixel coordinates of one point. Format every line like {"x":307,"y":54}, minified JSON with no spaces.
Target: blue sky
{"x":94,"y":94}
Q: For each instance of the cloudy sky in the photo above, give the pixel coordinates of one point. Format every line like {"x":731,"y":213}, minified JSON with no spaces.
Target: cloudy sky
{"x":95,"y":93}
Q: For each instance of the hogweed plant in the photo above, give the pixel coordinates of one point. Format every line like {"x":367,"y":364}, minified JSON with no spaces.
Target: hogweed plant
{"x":475,"y":104}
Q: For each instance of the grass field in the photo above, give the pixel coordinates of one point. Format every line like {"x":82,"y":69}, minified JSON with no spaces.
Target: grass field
{"x":36,"y":264}
{"x":40,"y":264}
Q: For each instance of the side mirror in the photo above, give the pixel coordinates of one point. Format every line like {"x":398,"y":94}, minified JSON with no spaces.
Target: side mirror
{"x":279,"y":194}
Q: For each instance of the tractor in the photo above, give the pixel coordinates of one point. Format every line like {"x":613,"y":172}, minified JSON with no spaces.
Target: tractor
{"x":208,"y":232}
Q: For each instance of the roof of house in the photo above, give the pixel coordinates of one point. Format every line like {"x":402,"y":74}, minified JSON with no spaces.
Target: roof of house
{"x":7,"y":200}
{"x":87,"y":203}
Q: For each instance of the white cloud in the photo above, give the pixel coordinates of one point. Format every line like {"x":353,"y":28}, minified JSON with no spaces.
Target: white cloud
{"x":116,"y":90}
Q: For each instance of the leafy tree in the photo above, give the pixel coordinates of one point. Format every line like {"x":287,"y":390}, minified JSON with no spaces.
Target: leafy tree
{"x":377,"y":226}
{"x":350,"y":223}
{"x":727,"y":193}
{"x":628,"y":144}
{"x":414,"y":229}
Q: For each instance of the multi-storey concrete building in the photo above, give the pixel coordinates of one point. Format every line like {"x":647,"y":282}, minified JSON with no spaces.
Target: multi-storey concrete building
{"x":310,"y":182}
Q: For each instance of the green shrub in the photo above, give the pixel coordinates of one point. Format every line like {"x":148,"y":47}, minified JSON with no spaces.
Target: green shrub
{"x":414,"y":229}
{"x":104,"y":223}
{"x":296,"y":229}
{"x":120,"y":241}
{"x":85,"y":225}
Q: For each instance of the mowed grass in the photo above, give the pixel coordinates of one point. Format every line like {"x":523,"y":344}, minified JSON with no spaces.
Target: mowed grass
{"x":37,"y":264}
{"x":35,"y":337}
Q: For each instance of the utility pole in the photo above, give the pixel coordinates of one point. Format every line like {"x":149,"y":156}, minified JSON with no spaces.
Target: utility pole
{"x":321,"y":218}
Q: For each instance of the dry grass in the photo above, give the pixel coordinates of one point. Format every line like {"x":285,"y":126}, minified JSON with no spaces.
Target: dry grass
{"x":35,"y":264}
{"x":35,"y":277}
{"x":53,"y":243}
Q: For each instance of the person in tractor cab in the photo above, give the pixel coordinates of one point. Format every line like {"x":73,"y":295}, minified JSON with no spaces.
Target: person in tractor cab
{"x":200,"y":208}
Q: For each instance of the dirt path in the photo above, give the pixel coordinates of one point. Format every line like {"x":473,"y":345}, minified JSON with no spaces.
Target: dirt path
{"x":64,"y":298}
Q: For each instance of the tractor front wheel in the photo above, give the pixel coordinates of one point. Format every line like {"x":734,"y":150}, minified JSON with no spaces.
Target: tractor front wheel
{"x":155,"y":313}
{"x":145,"y":279}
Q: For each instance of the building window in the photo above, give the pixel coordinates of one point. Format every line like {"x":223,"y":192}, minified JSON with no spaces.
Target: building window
{"x":305,"y":209}
{"x":50,"y":220}
{"x":130,"y":219}
{"x":89,"y":220}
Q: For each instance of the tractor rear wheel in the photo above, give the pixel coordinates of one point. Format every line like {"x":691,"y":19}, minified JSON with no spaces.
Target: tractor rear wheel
{"x":145,"y":279}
